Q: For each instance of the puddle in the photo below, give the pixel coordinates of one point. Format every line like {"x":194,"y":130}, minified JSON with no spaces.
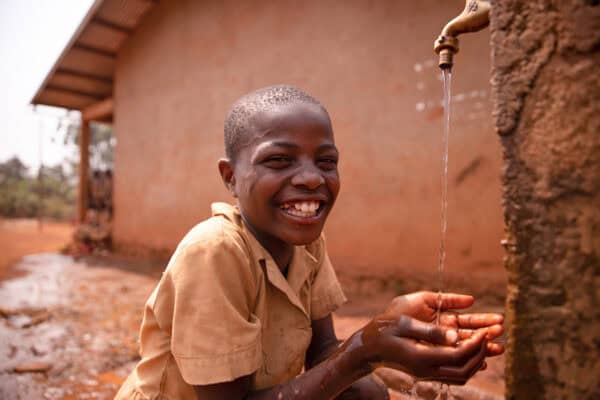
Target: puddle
{"x":43,"y":286}
{"x":68,"y":330}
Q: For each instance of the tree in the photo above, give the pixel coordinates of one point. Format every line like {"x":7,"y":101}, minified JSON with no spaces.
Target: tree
{"x":50,"y":194}
{"x":102,"y":142}
{"x":13,"y":168}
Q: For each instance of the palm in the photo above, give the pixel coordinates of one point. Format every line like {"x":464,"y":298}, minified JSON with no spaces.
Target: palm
{"x":424,"y":305}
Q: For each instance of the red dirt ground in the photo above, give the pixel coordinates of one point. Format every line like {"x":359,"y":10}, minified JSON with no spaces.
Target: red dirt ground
{"x":20,"y":237}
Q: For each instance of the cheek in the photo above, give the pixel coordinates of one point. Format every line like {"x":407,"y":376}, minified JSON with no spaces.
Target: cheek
{"x":333,"y":184}
{"x":268,"y":183}
{"x":245,"y":185}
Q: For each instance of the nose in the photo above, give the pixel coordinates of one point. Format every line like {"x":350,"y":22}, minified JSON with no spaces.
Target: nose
{"x":309,"y":177}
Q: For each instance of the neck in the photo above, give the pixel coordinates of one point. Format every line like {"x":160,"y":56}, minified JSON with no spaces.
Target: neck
{"x":280,"y":251}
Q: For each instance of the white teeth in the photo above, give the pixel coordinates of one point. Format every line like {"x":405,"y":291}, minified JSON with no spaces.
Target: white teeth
{"x":301,"y":208}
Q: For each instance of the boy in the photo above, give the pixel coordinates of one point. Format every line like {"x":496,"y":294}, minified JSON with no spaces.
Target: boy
{"x":246,"y":300}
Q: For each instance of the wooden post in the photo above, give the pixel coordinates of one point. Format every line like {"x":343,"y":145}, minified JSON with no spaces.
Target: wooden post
{"x":84,"y":166}
{"x":95,"y":112}
{"x":99,"y":110}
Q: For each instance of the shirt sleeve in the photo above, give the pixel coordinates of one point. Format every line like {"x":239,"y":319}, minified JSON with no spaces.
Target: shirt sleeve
{"x":206,"y":304}
{"x":327,"y":294}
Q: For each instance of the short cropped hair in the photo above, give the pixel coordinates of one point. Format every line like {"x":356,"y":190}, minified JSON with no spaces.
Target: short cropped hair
{"x":238,"y":119}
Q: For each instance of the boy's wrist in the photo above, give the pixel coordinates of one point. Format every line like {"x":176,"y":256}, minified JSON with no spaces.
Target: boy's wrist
{"x":354,"y":358}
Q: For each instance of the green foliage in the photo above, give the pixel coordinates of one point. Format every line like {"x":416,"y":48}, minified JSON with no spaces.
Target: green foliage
{"x":12,"y":168}
{"x":51,"y":194}
{"x":102,"y":143}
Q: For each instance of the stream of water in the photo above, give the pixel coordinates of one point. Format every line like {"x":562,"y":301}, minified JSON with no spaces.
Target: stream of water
{"x":446,"y":81}
{"x":444,"y":390}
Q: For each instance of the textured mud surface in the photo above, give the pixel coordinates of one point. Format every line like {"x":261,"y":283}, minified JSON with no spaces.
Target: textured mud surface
{"x":68,"y":330}
{"x":546,"y":90}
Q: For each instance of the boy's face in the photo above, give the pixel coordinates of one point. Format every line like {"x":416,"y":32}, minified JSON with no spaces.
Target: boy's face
{"x":286,"y":179}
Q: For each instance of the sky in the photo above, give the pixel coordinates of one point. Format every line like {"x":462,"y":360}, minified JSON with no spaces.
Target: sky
{"x":33,"y":33}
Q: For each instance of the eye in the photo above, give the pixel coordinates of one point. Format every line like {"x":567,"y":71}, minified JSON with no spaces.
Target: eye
{"x":277,"y":162}
{"x":327,"y":163}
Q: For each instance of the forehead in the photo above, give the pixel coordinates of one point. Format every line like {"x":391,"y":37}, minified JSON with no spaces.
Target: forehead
{"x":290,"y":120}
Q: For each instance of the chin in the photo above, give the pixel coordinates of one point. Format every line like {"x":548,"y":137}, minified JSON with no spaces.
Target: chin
{"x":302,"y":238}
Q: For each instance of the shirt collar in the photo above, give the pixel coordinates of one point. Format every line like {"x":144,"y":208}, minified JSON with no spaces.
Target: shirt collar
{"x":301,"y":266}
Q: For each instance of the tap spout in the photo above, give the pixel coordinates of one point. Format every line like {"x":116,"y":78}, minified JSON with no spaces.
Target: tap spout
{"x":474,"y":17}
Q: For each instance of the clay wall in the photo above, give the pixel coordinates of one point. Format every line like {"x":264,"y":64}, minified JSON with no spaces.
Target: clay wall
{"x":372,"y":65}
{"x":546,"y":94}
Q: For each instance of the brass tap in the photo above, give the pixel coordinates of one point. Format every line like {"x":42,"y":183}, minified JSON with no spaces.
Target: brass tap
{"x":474,"y":17}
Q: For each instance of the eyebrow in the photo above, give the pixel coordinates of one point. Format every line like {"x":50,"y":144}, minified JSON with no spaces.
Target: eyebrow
{"x":288,"y":145}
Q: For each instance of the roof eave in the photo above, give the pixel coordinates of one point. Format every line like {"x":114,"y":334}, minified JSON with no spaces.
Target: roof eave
{"x":84,"y":22}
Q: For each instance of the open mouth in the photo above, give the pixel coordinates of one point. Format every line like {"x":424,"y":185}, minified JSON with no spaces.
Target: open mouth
{"x":302,"y":209}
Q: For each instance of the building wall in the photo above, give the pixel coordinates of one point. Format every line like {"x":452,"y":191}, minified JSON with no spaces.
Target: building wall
{"x":546,"y":94}
{"x":372,"y":65}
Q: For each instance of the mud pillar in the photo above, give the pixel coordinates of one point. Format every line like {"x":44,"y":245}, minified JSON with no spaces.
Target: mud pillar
{"x":84,"y":162}
{"x":546,"y":88}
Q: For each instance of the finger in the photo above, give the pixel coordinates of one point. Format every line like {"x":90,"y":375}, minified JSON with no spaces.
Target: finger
{"x":483,"y":366}
{"x":448,"y":300}
{"x":449,"y":319}
{"x":455,"y":356}
{"x":411,"y":328}
{"x":460,"y":374}
{"x":493,"y":332}
{"x":474,"y":321}
{"x":494,"y":349}
{"x":465,"y":333}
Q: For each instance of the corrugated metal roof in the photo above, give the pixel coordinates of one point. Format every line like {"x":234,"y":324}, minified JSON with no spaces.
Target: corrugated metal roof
{"x":83,"y":73}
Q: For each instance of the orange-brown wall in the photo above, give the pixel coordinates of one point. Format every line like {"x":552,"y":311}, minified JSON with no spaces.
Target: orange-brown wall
{"x":371,"y":63}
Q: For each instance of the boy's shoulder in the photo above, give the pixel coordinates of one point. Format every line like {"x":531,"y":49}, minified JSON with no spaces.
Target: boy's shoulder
{"x":214,"y":246}
{"x":218,"y":230}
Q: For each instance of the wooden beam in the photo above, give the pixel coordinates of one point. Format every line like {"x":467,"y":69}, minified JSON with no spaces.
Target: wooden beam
{"x":98,"y":111}
{"x":76,"y":92}
{"x":86,"y":75}
{"x":112,"y":25}
{"x":95,"y":50}
{"x":84,"y":167}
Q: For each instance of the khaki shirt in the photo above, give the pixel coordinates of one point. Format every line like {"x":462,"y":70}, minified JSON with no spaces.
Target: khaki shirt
{"x":223,"y":310}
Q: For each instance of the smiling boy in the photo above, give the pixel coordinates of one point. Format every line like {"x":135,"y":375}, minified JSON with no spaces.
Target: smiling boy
{"x":245,"y":302}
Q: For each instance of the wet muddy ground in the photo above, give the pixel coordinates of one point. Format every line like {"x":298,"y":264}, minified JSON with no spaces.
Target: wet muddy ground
{"x":68,"y":330}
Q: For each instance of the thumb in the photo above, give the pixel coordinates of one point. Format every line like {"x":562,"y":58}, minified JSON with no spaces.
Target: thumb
{"x":425,"y":332}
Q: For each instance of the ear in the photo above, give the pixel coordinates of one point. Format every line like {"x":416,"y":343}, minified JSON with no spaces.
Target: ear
{"x":226,"y":171}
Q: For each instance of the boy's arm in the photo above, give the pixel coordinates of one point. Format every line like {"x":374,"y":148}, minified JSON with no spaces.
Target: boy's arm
{"x":384,"y":341}
{"x":327,"y":379}
{"x":323,"y":382}
{"x":324,"y":343}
